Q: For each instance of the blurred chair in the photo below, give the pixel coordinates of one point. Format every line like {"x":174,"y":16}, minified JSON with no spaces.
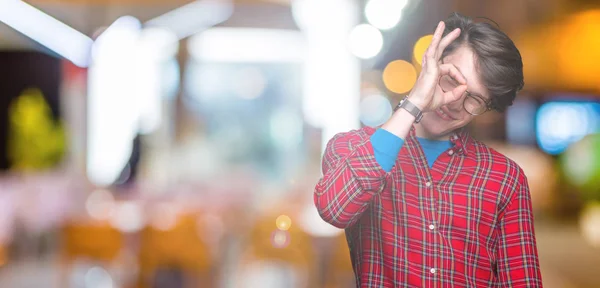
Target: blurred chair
{"x":93,"y":241}
{"x":339,"y":265}
{"x":281,"y":256}
{"x":175,"y":252}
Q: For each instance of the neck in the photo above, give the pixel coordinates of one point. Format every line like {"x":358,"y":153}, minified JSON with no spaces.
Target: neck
{"x":422,"y":133}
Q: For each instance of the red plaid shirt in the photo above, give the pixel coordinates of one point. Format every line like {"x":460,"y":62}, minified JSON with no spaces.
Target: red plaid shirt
{"x":465,"y":222}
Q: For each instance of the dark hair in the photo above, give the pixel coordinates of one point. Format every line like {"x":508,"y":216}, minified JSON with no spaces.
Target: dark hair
{"x":498,"y":60}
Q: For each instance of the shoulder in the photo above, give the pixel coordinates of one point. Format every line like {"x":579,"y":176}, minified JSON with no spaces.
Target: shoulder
{"x":498,"y":165}
{"x":504,"y":175}
{"x":343,"y":144}
{"x":349,"y":139}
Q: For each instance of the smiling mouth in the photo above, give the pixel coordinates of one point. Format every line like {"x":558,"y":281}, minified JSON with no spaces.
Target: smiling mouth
{"x":443,"y":115}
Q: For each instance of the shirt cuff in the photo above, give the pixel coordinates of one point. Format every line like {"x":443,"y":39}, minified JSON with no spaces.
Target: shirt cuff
{"x":386,"y":147}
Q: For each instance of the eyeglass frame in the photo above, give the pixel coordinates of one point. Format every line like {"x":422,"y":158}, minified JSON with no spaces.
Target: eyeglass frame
{"x":487,"y":102}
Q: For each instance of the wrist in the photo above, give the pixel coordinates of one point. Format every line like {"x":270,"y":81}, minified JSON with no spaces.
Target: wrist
{"x":410,"y":108}
{"x":418,"y":102}
{"x":400,"y":123}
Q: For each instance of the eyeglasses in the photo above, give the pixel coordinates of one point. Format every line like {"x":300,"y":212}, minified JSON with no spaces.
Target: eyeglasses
{"x":473,"y":104}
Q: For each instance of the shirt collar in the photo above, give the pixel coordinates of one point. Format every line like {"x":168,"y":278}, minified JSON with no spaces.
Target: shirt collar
{"x":460,"y":139}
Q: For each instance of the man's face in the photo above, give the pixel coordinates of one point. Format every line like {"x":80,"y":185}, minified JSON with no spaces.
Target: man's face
{"x":441,"y":123}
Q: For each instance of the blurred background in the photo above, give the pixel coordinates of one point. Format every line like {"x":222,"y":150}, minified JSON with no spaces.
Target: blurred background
{"x":154,"y":143}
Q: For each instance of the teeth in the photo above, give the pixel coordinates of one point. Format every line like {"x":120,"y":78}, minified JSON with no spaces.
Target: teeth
{"x":442,"y":112}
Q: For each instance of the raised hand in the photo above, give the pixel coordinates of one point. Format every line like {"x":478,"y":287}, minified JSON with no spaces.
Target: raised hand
{"x":426,"y":93}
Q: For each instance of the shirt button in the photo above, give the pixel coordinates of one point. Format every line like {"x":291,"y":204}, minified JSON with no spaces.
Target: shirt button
{"x":450,"y":152}
{"x":431,"y":227}
{"x":428,"y":184}
{"x":432,"y":270}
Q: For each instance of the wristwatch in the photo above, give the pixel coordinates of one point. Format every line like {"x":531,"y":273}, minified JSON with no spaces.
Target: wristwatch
{"x":411,"y":108}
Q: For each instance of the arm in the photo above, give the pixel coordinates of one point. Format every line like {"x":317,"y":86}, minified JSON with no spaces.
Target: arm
{"x":517,"y":257}
{"x":354,"y":170}
{"x":351,"y":177}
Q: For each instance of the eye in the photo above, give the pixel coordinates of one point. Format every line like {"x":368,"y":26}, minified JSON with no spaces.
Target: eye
{"x":475,"y":105}
{"x":447,"y":83}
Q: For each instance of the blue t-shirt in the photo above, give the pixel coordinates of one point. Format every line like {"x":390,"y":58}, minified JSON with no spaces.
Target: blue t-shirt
{"x":387,"y":146}
{"x":434,"y":148}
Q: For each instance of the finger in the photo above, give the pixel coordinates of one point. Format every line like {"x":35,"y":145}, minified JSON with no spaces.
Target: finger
{"x":446,"y":41}
{"x":455,"y":94}
{"x":437,"y":35}
{"x":449,"y":69}
{"x":435,"y":41}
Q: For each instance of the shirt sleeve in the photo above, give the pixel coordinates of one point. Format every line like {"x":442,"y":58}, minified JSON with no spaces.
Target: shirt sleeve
{"x":351,"y":178}
{"x":386,"y":147}
{"x":517,"y":256}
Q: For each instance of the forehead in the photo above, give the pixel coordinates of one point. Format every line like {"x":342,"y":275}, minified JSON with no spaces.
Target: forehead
{"x":464,"y":60}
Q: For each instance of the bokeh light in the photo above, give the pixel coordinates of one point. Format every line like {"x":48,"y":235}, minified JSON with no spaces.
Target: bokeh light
{"x":100,"y":204}
{"x":127,"y":217}
{"x":384,"y":14}
{"x":121,"y":100}
{"x":249,"y":83}
{"x":98,"y":277}
{"x":214,"y":79}
{"x":164,"y":218}
{"x":576,"y":57}
{"x":590,"y":224}
{"x":123,"y":33}
{"x":283,"y":222}
{"x":375,"y":110}
{"x":171,"y":79}
{"x":158,"y":44}
{"x":399,"y":76}
{"x":280,"y":239}
{"x":420,"y":48}
{"x":246,"y":45}
{"x":286,"y":128}
{"x":365,"y":41}
{"x":581,"y":164}
{"x":312,"y":15}
{"x":560,"y":124}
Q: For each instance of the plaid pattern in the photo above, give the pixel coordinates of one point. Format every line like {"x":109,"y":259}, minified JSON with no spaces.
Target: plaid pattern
{"x":466,"y":222}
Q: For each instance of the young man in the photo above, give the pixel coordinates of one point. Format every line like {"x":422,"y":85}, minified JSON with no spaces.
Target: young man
{"x":424,"y":204}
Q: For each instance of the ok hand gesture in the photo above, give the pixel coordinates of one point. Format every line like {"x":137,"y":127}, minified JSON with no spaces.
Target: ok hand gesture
{"x":426,"y":94}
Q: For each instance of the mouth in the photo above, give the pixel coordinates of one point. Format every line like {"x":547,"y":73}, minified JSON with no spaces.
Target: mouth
{"x":443,"y":115}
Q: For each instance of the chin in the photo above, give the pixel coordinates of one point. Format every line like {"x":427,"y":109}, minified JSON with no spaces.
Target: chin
{"x":434,"y":127}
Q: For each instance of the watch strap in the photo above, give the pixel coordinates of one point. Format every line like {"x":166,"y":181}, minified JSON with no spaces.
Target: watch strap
{"x":411,"y":108}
